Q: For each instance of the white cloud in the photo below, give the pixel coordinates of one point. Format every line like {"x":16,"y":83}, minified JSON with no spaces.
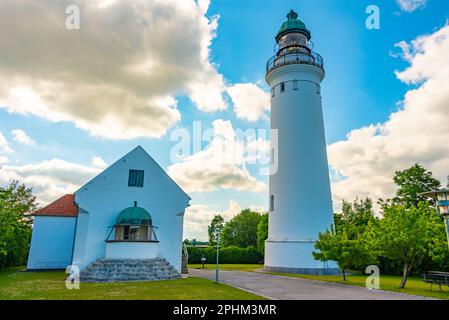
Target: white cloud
{"x":411,"y":5}
{"x":4,"y":145}
{"x":220,"y":166}
{"x":206,"y":92}
{"x":198,"y":218}
{"x":50,"y":179}
{"x":3,"y":160}
{"x":250,"y":101}
{"x":98,"y":162}
{"x":22,"y":137}
{"x":418,"y":132}
{"x":116,"y":77}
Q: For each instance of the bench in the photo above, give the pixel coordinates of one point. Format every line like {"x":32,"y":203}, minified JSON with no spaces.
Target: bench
{"x":436,"y":277}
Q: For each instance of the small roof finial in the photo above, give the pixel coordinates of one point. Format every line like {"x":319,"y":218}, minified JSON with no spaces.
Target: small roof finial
{"x":292,"y":15}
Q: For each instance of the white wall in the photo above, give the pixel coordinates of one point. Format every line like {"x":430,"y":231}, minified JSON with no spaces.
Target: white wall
{"x":51,"y":242}
{"x":82,"y":226}
{"x":301,"y":186}
{"x":131,"y":250}
{"x":108,"y":194}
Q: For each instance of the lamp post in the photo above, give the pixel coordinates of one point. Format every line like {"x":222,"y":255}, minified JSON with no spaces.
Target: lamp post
{"x":217,"y":237}
{"x":442,"y":200}
{"x":203,"y":260}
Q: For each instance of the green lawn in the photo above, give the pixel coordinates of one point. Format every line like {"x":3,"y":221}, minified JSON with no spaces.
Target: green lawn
{"x":229,"y":267}
{"x":51,"y":285}
{"x":414,"y":286}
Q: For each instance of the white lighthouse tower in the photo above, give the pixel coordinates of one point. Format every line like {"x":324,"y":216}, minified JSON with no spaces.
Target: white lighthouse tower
{"x":300,"y":196}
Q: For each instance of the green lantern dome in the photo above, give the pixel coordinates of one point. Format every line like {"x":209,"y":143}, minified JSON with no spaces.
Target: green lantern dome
{"x":134,"y":216}
{"x":293,"y":24}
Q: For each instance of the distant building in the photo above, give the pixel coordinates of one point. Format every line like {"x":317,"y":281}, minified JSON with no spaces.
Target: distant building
{"x":130,"y":215}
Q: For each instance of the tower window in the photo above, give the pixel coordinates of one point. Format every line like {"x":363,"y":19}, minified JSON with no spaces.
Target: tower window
{"x":272,"y":92}
{"x":282,"y":87}
{"x":295,"y":84}
{"x":126,"y":233}
{"x":135,"y":178}
{"x":318,"y":89}
{"x":272,"y":203}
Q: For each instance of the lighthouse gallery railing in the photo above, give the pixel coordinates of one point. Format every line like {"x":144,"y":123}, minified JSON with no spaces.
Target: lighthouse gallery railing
{"x":312,"y":58}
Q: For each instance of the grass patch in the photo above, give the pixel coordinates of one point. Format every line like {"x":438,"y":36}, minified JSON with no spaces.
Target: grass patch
{"x":16,"y":285}
{"x":228,"y":267}
{"x":414,"y":286}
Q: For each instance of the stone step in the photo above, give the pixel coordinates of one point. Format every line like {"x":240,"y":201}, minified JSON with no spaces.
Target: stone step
{"x":108,"y":270}
{"x":136,"y":272}
{"x":102,"y":269}
{"x":130,"y":277}
{"x":128,"y":280}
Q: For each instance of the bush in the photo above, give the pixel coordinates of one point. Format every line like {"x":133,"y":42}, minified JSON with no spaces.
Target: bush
{"x":17,"y":249}
{"x":228,"y":255}
{"x":262,"y":233}
{"x":16,"y":202}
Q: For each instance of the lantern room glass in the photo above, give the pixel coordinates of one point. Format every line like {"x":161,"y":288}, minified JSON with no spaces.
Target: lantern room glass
{"x":293,"y":39}
{"x":293,"y":42}
{"x":443,"y":196}
{"x":444,"y":210}
{"x":443,"y":202}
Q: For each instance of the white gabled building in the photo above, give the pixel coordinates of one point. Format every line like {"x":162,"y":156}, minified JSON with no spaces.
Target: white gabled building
{"x":131,"y":211}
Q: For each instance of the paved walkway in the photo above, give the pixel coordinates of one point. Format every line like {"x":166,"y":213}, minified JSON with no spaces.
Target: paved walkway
{"x":288,"y":288}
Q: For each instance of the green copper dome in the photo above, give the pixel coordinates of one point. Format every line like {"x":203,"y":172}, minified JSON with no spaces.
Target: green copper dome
{"x":134,"y":216}
{"x":293,"y":24}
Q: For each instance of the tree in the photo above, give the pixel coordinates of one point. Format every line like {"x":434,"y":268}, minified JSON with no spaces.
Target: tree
{"x":241,"y":231}
{"x":437,"y":253}
{"x":336,"y":246}
{"x":411,"y":183}
{"x":215,"y":228}
{"x":262,"y":233}
{"x":406,"y":234}
{"x":355,"y":217}
{"x":16,"y":204}
{"x":358,"y":213}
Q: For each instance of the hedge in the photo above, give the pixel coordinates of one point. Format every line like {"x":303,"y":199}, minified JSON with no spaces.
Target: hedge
{"x":228,"y":255}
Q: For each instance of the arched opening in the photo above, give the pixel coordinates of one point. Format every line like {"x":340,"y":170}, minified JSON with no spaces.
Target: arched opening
{"x":134,"y":224}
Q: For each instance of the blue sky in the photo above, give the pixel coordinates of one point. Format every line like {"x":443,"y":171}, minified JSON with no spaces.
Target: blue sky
{"x":360,"y":86}
{"x":360,"y":89}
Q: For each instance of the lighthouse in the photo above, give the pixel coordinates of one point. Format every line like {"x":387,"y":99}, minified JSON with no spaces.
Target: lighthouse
{"x":300,"y":203}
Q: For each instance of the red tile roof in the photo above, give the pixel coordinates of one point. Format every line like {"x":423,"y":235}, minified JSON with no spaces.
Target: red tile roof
{"x":63,"y":207}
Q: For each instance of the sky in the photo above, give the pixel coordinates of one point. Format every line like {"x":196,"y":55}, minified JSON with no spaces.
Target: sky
{"x":185,"y":79}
